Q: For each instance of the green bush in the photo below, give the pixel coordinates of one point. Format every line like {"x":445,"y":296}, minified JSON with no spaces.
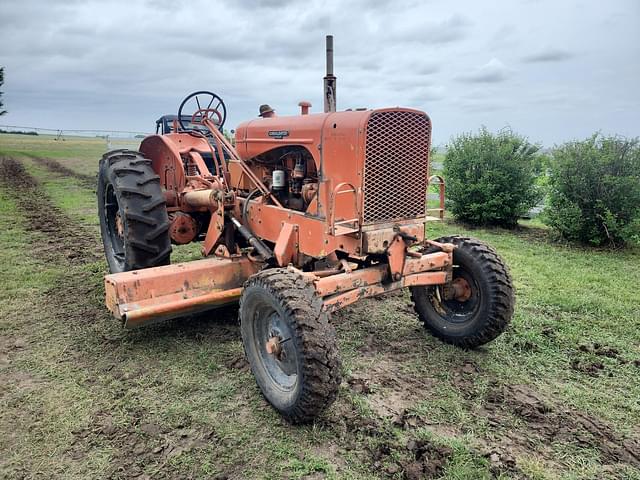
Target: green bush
{"x":594,"y":192}
{"x":491,"y":177}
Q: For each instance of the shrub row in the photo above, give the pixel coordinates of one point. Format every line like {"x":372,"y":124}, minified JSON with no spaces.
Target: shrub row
{"x":592,"y":187}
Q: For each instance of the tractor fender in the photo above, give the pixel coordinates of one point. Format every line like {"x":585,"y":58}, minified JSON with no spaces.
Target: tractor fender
{"x":165,"y":152}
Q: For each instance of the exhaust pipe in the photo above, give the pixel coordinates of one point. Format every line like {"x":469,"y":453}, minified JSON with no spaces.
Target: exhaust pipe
{"x":329,"y":79}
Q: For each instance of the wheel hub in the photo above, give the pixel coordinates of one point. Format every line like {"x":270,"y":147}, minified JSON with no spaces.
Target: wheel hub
{"x":273,"y":346}
{"x":461,"y":289}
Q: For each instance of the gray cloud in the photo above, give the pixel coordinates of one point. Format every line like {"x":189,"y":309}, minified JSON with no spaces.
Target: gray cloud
{"x":428,"y":31}
{"x":549,"y":55}
{"x":494,"y":71}
{"x":120,"y":64}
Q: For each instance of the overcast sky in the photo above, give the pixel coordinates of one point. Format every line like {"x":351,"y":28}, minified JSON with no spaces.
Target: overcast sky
{"x":552,"y":70}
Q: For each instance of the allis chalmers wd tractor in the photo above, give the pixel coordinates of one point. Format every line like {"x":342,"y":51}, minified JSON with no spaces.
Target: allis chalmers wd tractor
{"x":303,"y":216}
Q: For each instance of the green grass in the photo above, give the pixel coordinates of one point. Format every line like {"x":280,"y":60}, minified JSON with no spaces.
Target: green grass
{"x":79,"y":153}
{"x":84,"y":399}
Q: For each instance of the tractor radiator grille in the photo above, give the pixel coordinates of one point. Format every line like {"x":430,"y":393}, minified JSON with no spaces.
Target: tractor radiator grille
{"x":396,"y":166}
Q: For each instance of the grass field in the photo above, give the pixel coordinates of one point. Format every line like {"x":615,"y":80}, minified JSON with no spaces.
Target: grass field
{"x":556,"y":396}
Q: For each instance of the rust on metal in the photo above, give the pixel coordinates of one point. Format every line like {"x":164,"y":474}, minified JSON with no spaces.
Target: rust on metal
{"x":140,"y":296}
{"x":461,"y":289}
{"x":378,"y":274}
{"x":438,"y":180}
{"x":183,"y":228}
{"x":377,"y":241}
{"x":119,"y":225}
{"x":286,"y":249}
{"x":341,"y":300}
{"x":273,"y":346}
{"x":214,"y":230}
{"x":445,"y":247}
{"x":396,"y":256}
{"x":396,"y":165}
{"x":203,"y":198}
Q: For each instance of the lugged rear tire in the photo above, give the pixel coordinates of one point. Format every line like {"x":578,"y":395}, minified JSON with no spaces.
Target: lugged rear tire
{"x":488,"y":310}
{"x":133,"y":216}
{"x":301,"y":380}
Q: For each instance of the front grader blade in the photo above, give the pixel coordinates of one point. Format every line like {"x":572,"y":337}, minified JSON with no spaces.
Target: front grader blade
{"x":143,"y":296}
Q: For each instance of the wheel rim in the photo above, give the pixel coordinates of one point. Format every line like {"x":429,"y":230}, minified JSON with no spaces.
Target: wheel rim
{"x":273,"y":340}
{"x":463,"y":302}
{"x":115,"y":226}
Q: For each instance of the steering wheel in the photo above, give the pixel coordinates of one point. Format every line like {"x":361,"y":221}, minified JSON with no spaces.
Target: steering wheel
{"x":200,"y":102}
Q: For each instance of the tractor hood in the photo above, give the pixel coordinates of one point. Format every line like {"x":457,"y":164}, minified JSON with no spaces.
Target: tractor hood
{"x":258,"y":136}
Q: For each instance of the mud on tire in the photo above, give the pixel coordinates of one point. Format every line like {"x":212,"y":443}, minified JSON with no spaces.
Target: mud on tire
{"x":301,"y":379}
{"x":133,"y":217}
{"x":487,"y":311}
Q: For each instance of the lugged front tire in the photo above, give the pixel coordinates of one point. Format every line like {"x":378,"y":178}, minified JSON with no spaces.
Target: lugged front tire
{"x":483,"y":311}
{"x":133,"y":216}
{"x":300,"y":373}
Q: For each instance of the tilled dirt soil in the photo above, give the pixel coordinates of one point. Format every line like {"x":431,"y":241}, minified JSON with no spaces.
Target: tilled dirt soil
{"x":549,"y":423}
{"x":61,"y":238}
{"x":521,"y":419}
{"x":58,"y":239}
{"x":56,"y":167}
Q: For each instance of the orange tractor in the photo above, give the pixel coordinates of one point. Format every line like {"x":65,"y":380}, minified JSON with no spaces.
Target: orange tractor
{"x":304,"y":215}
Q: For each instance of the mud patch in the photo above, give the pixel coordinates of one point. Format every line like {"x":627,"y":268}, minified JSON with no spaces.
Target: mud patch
{"x":548,"y":423}
{"x":238,"y":363}
{"x":595,"y":359}
{"x":20,"y":382}
{"x":600,"y":350}
{"x":429,"y":460}
{"x":86,"y":181}
{"x":420,"y":459}
{"x":60,"y":236}
{"x":141,"y":449}
{"x":390,"y":390}
{"x":374,"y":441}
{"x":590,"y":368}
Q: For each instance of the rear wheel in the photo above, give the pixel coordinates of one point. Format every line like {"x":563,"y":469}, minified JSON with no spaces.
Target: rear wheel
{"x":478,"y":306}
{"x":290,"y":344}
{"x":133,"y":215}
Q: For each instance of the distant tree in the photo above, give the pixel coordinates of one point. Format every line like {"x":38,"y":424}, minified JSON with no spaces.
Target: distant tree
{"x":2,"y":112}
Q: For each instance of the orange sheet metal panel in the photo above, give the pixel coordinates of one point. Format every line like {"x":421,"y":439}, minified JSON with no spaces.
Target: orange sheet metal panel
{"x":383,"y":154}
{"x":173,"y":290}
{"x":266,"y":221}
{"x":335,"y":141}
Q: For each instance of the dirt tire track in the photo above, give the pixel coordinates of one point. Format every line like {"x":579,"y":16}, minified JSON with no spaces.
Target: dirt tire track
{"x":548,"y":422}
{"x":88,"y":181}
{"x":61,"y":238}
{"x":73,"y":311}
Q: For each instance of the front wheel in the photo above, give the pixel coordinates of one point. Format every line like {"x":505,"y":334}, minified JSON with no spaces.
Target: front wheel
{"x":479,"y":305}
{"x":290,"y":344}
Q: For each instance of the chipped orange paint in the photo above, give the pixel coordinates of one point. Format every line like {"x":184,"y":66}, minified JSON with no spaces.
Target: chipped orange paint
{"x":378,"y":274}
{"x":170,"y":291}
{"x":286,"y":248}
{"x":335,"y":219}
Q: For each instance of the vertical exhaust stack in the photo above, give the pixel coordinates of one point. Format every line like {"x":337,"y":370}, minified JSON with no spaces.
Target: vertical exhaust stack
{"x":329,"y":79}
